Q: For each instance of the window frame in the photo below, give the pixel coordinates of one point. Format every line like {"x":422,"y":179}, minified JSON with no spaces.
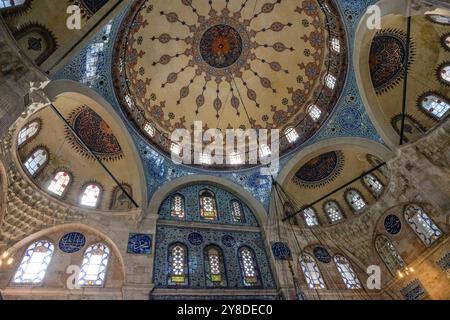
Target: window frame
{"x":170,"y":274}
{"x":202,"y":195}
{"x":307,"y":272}
{"x":41,"y":167}
{"x":69,"y":184}
{"x":30,"y":138}
{"x":108,"y":258}
{"x":343,"y":216}
{"x":99,"y":198}
{"x":428,"y":242}
{"x":347,"y":200}
{"x":257,"y":282}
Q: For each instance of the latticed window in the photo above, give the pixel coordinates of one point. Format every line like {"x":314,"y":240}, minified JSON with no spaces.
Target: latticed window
{"x":439,"y":18}
{"x":59,"y":183}
{"x":355,"y":200}
{"x":314,"y":112}
{"x":91,"y":195}
{"x":335,"y":45}
{"x":93,"y":267}
{"x":330,"y":81}
{"x":333,"y":212}
{"x":149,"y":129}
{"x":389,"y":254}
{"x":310,"y":217}
{"x":347,"y":273}
{"x":34,"y":264}
{"x":11,"y":3}
{"x":422,"y":225}
{"x":36,"y":161}
{"x":249,"y":269}
{"x":177,"y":206}
{"x":178,"y":265}
{"x":445,"y":73}
{"x":208,"y":209}
{"x":28,"y":132}
{"x":237,"y":213}
{"x":291,"y":135}
{"x":435,"y":106}
{"x":214,"y":266}
{"x":374,"y":185}
{"x":311,"y":271}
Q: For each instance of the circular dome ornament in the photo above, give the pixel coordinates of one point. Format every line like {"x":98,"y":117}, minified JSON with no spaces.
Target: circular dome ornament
{"x":322,"y":254}
{"x":392,"y":224}
{"x":228,"y":241}
{"x":195,"y":238}
{"x":72,"y":242}
{"x":281,"y":251}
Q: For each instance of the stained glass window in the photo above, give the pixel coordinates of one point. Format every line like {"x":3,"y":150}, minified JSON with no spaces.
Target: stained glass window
{"x":178,"y":265}
{"x":34,"y":264}
{"x":237,"y":214}
{"x":389,"y":254}
{"x":435,"y":106}
{"x":348,"y":275}
{"x":59,"y":183}
{"x":214,"y":266}
{"x":355,"y":200}
{"x":177,"y":206}
{"x":445,"y":73}
{"x":330,"y":81}
{"x":249,"y":268}
{"x":333,"y":212}
{"x":311,"y":271}
{"x":149,"y":129}
{"x":292,"y":135}
{"x":314,"y":112}
{"x":93,"y":267}
{"x":422,"y":225}
{"x":90,"y":196}
{"x":36,"y":161}
{"x":28,"y":132}
{"x":310,"y":217}
{"x":11,"y":3}
{"x":374,"y":185}
{"x":208,"y":208}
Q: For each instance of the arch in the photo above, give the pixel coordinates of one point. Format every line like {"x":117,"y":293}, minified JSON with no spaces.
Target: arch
{"x":311,"y":271}
{"x":94,"y":265}
{"x":237,"y":212}
{"x":347,"y":273}
{"x":28,"y":132}
{"x":355,"y":200}
{"x":333,"y":212}
{"x":60,"y":183}
{"x":388,"y":254}
{"x":91,"y":195}
{"x":178,"y":264}
{"x":250,"y":273}
{"x":70,"y":227}
{"x":36,"y":161}
{"x":422,"y":225}
{"x":208,"y":205}
{"x":165,"y":190}
{"x":373,"y":184}
{"x":315,"y":150}
{"x":78,"y":91}
{"x":177,"y":206}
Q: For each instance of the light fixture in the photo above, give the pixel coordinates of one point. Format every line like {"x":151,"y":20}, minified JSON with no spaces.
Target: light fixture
{"x":10,"y":261}
{"x":5,"y":254}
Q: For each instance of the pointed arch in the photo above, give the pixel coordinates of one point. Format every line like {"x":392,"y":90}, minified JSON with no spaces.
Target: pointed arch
{"x":34,"y":264}
{"x":311,"y":272}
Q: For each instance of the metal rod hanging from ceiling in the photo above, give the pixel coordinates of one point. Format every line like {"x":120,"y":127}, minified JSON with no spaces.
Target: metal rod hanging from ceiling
{"x":406,"y":69}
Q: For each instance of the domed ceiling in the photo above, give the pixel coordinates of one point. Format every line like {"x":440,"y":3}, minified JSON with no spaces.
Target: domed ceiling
{"x":228,"y":63}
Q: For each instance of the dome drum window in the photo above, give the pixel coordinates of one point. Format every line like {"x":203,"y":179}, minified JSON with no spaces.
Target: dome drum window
{"x":91,"y":195}
{"x":36,"y":162}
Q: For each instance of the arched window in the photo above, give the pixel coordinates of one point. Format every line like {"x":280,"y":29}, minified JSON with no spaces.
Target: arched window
{"x":291,"y":135}
{"x":389,"y":254}
{"x":36,"y":161}
{"x":355,"y":200}
{"x":237,"y":214}
{"x":28,"y":132}
{"x":348,"y":275}
{"x":444,"y":73}
{"x":422,"y":225}
{"x":437,"y":18}
{"x":208,"y":207}
{"x":373,"y":184}
{"x":435,"y":106}
{"x":249,"y":267}
{"x":336,"y":45}
{"x":314,"y":112}
{"x":214,"y":266}
{"x":311,"y":271}
{"x":330,"y":81}
{"x":310,"y":217}
{"x":59,"y":183}
{"x":34,"y":263}
{"x":333,"y":212}
{"x":446,"y":41}
{"x":178,"y":265}
{"x":93,"y":267}
{"x":91,"y":195}
{"x":375,"y":162}
{"x":11,"y":3}
{"x":177,"y":206}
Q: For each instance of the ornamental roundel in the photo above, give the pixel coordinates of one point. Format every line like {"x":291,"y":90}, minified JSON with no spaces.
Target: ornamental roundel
{"x":95,"y":134}
{"x":72,"y":242}
{"x":321,"y":170}
{"x":392,"y":224}
{"x":228,"y":64}
{"x":322,"y":254}
{"x":195,"y":238}
{"x":281,"y":251}
{"x":228,"y":241}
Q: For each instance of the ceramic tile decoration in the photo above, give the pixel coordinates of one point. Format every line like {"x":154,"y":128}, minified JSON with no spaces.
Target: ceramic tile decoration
{"x":139,"y":243}
{"x":72,"y":242}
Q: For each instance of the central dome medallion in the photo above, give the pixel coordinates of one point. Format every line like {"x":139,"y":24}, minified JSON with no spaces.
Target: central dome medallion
{"x":221,"y":46}
{"x":230,"y":64}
